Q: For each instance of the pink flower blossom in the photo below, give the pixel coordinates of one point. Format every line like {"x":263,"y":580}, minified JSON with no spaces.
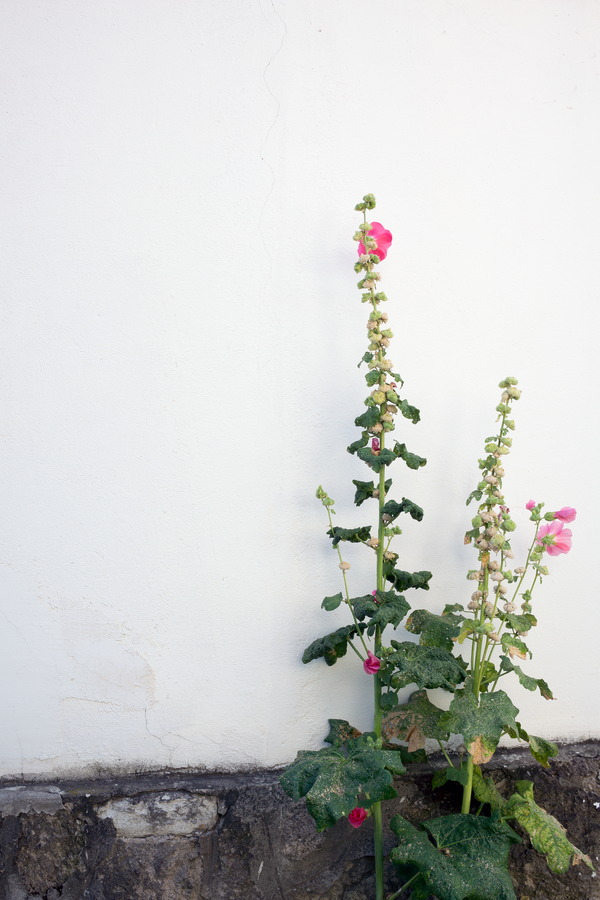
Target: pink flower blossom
{"x":555,"y":538}
{"x":357,"y":816}
{"x":375,"y":445}
{"x":371,"y":664}
{"x":383,"y":238}
{"x":566,"y":514}
{"x":530,"y":504}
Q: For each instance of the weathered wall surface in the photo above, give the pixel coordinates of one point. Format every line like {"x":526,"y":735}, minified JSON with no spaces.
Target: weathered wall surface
{"x":197,"y":837}
{"x":180,"y":328}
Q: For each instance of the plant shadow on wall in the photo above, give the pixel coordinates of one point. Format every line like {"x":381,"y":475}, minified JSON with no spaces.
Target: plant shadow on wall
{"x":465,"y":650}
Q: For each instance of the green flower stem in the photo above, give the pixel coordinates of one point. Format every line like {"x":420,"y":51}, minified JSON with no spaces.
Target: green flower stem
{"x":346,"y":590}
{"x":403,"y":888}
{"x":448,"y":760}
{"x":377,"y":713}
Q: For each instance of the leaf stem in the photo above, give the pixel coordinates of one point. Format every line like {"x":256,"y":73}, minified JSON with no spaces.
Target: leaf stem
{"x":403,"y":888}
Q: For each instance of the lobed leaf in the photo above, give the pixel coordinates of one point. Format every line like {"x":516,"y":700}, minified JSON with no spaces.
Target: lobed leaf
{"x":427,"y":667}
{"x":414,"y":722}
{"x":387,"y":608}
{"x":402,"y":581}
{"x":353,"y":535}
{"x":462,"y":858}
{"x":529,"y":683}
{"x":375,"y":461}
{"x":332,"y":646}
{"x":331,"y":603}
{"x":434,"y":631}
{"x":411,"y":459}
{"x":409,"y":412}
{"x":481,"y":724}
{"x":336,"y":779}
{"x":546,"y":833}
{"x":365,"y":489}
{"x":393,"y":509}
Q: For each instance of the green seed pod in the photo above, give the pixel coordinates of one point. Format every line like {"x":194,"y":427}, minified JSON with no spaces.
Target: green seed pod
{"x":378,"y":397}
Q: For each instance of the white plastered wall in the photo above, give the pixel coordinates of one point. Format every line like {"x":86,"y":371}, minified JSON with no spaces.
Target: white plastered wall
{"x":181,"y":327}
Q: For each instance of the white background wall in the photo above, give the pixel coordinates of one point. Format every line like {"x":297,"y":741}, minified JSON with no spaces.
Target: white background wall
{"x":181,"y":327}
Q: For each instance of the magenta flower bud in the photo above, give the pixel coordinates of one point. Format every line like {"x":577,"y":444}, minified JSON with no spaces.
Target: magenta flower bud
{"x":357,"y":816}
{"x":371,"y":664}
{"x":566,"y":514}
{"x":530,"y":504}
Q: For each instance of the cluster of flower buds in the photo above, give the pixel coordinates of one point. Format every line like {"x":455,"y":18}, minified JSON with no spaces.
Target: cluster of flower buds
{"x":374,"y":241}
{"x":492,"y":523}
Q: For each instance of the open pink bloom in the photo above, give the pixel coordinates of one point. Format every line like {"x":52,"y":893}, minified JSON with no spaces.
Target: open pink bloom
{"x":371,"y":664}
{"x":357,"y":816}
{"x":383,"y":238}
{"x":558,"y":538}
{"x":566,"y":514}
{"x":530,"y":504}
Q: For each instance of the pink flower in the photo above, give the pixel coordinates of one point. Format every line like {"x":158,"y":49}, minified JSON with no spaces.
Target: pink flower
{"x":357,"y":816}
{"x":375,"y":446}
{"x":374,"y":596}
{"x":371,"y":664}
{"x":555,"y":538}
{"x":566,"y":514}
{"x":530,"y":504}
{"x":383,"y":238}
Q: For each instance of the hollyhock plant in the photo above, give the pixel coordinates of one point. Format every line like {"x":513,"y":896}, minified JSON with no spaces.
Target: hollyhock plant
{"x":464,"y":650}
{"x":357,"y":816}
{"x":555,"y":538}
{"x":382,"y":238}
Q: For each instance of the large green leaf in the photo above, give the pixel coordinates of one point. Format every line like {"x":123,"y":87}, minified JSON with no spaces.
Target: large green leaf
{"x":481,"y":724}
{"x":353,"y":535}
{"x":546,"y":833}
{"x":368,"y":418}
{"x":411,"y":459}
{"x":332,"y":646}
{"x":331,"y":603}
{"x":414,"y":722}
{"x":402,"y":581}
{"x":427,"y":667}
{"x":340,"y":731}
{"x":409,"y":412}
{"x":386,"y":608}
{"x":393,"y":509}
{"x":360,"y":442}
{"x":336,"y":779}
{"x":435,"y":631}
{"x":463,"y":858}
{"x":485,"y":790}
{"x":541,"y":749}
{"x":531,"y":684}
{"x":365,"y":489}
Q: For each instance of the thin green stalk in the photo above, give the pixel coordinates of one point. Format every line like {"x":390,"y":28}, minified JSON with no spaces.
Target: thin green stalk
{"x":403,"y":888}
{"x":346,"y":589}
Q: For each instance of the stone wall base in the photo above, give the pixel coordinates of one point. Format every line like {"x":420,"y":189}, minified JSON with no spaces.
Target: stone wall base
{"x":182,"y":836}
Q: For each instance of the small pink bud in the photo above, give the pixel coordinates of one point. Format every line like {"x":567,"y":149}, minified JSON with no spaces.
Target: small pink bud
{"x":357,"y":816}
{"x":375,"y":446}
{"x":530,"y":504}
{"x":371,"y":664}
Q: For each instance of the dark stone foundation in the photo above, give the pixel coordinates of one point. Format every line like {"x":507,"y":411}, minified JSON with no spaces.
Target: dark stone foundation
{"x":182,"y":836}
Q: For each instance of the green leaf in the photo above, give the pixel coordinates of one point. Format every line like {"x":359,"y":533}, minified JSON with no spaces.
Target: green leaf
{"x":474,"y":495}
{"x":330,"y":603}
{"x":427,"y":667}
{"x":340,"y":732}
{"x":450,"y":773}
{"x":542,"y":750}
{"x":372,"y":377}
{"x":389,"y":700}
{"x":362,"y":441}
{"x":521,"y":623}
{"x":485,"y":790}
{"x":365,"y":489}
{"x":481,"y":725}
{"x":336,"y":779}
{"x":389,"y":610}
{"x":435,"y":631}
{"x":353,"y":535}
{"x":514,"y":646}
{"x":463,"y":858}
{"x":529,"y":683}
{"x":402,"y":581}
{"x":368,"y":418}
{"x":414,"y":722}
{"x":332,"y":646}
{"x":366,"y":357}
{"x":393,"y":509}
{"x":376,"y":461}
{"x":546,"y":833}
{"x":409,"y":412}
{"x":411,"y":459}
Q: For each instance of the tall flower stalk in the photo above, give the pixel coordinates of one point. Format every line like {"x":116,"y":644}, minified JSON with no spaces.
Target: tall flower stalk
{"x":464,"y":855}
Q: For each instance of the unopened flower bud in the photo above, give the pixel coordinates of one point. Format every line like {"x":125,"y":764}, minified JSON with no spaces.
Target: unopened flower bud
{"x":377,"y":428}
{"x":520,"y":570}
{"x":473,"y":604}
{"x":497,"y":576}
{"x":373,"y":542}
{"x":494,"y":636}
{"x":476,"y":595}
{"x":386,"y":519}
{"x":493,"y":565}
{"x":489,"y":609}
{"x":509,"y":607}
{"x":491,"y":479}
{"x":378,"y":397}
{"x":344,"y":566}
{"x":514,"y":392}
{"x":509,"y":554}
